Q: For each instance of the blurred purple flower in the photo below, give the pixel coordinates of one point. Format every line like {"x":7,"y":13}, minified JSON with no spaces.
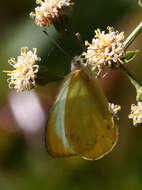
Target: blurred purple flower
{"x":27,"y":111}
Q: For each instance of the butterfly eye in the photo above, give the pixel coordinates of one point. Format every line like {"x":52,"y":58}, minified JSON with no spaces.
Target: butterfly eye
{"x":75,"y":65}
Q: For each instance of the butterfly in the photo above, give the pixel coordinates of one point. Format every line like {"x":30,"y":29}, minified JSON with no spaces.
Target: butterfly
{"x":79,"y":122}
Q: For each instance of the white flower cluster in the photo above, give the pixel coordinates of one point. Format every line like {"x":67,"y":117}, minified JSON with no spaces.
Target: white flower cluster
{"x":114,"y":109}
{"x":136,"y":113}
{"x":49,"y":11}
{"x":23,"y":77}
{"x":106,"y":48}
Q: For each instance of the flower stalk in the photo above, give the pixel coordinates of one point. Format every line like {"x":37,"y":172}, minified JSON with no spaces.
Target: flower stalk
{"x":133,"y":35}
{"x":127,"y":43}
{"x":134,"y":82}
{"x":130,"y":76}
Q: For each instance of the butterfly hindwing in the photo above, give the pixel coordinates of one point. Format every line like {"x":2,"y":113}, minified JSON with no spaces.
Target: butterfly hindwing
{"x":79,"y":122}
{"x":89,"y":126}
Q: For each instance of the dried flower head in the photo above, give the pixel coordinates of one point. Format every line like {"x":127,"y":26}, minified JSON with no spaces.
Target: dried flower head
{"x":136,"y":113}
{"x":114,"y":109}
{"x":48,"y":11}
{"x":23,"y":77}
{"x":106,"y":49}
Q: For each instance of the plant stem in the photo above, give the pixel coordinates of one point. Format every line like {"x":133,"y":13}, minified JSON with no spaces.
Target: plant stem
{"x":133,"y":35}
{"x":127,"y":43}
{"x":131,"y":77}
{"x":134,"y":82}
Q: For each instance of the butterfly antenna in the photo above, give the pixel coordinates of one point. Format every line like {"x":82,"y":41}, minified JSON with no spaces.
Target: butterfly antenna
{"x":56,"y":44}
{"x":49,"y":52}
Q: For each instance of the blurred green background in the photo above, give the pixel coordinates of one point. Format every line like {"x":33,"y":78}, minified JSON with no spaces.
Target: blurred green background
{"x":24,"y":162}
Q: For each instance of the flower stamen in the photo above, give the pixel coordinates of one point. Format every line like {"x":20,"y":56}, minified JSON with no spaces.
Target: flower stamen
{"x":136,"y":113}
{"x":49,"y":11}
{"x":105,"y":50}
{"x":114,"y":109}
{"x":23,"y":77}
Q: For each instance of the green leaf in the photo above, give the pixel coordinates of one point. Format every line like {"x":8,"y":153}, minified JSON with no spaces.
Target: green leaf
{"x":129,"y":56}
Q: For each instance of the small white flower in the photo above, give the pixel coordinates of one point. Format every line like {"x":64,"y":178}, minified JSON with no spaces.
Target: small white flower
{"x":106,"y":49}
{"x":136,"y":113}
{"x":23,"y":77}
{"x":48,"y":11}
{"x":114,"y":109}
{"x":140,"y":3}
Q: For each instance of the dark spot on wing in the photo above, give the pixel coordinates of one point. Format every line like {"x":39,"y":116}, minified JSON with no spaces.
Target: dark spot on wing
{"x":71,"y":136}
{"x":95,"y":141}
{"x":108,"y":127}
{"x":77,"y":138}
{"x":112,"y":142}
